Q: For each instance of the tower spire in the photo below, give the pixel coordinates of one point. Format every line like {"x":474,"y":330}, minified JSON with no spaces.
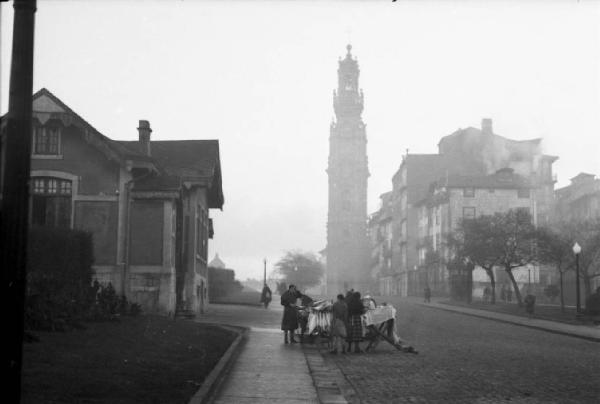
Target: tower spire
{"x":347,"y":243}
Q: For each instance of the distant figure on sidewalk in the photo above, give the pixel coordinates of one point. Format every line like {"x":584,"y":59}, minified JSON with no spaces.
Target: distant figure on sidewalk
{"x":266,"y":295}
{"x":289,"y":322}
{"x":338,"y":325}
{"x":355,"y":328}
{"x":427,"y":293}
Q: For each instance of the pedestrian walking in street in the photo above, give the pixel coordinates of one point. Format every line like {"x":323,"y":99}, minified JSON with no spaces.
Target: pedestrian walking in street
{"x":338,"y":324}
{"x":289,"y":322}
{"x":427,"y":292}
{"x":355,"y":328}
{"x":509,"y":295}
{"x":265,"y":296}
{"x":503,"y":293}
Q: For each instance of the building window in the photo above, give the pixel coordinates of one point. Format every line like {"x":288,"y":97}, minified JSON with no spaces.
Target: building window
{"x":469,"y":192}
{"x":46,"y":141}
{"x":51,"y":202}
{"x":523,"y":193}
{"x":468,"y":212}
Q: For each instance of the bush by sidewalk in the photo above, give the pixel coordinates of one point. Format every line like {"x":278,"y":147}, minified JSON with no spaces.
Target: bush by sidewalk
{"x":59,"y":277}
{"x":145,"y":359}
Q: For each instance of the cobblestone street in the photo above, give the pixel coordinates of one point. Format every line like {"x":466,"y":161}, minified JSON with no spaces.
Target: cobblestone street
{"x":463,"y":359}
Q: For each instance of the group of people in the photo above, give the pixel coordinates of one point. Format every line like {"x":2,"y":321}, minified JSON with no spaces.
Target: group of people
{"x":346,"y":322}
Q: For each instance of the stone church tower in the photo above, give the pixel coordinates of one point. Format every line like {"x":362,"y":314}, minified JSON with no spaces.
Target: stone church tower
{"x":347,"y":243}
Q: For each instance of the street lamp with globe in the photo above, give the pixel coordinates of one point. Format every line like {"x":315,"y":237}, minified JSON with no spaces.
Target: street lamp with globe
{"x":577,"y":251}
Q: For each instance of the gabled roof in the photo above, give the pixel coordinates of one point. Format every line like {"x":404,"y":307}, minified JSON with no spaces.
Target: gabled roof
{"x":52,"y":107}
{"x":173,"y":163}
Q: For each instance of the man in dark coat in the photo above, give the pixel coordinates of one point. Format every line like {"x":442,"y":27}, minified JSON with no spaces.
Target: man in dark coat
{"x":265,"y":296}
{"x":289,"y":322}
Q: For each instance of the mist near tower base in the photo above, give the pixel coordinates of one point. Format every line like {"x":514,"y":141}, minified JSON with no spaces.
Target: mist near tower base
{"x":258,"y":76}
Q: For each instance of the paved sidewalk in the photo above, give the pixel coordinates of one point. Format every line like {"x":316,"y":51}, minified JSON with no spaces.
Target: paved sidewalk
{"x":580,"y":331}
{"x":266,"y":370}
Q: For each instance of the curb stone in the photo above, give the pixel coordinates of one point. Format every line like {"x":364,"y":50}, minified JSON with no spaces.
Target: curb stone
{"x":214,"y":379}
{"x":500,"y":320}
{"x":330,"y":383}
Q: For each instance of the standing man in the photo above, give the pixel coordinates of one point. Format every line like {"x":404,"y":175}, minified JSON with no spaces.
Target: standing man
{"x":427,"y":292}
{"x":265,"y":296}
{"x":289,"y":322}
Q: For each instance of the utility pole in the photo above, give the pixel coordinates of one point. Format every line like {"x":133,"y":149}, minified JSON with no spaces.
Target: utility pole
{"x":14,"y":212}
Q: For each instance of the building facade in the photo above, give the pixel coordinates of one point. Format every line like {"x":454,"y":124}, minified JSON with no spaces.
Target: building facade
{"x":456,"y":198}
{"x":146,"y":203}
{"x":380,"y":237}
{"x":580,"y":200}
{"x":466,"y":152}
{"x":347,"y":243}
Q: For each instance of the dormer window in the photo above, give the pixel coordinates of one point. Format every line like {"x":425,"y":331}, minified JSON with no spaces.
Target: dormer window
{"x":46,"y":141}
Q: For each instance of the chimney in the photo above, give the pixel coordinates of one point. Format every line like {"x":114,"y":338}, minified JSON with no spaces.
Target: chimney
{"x":144,"y":135}
{"x":486,"y":126}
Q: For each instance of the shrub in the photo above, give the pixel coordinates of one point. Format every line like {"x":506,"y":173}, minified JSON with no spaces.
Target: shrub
{"x":59,"y":276}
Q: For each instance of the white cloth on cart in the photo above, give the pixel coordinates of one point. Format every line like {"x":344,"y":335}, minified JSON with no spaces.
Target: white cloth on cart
{"x":379,"y":314}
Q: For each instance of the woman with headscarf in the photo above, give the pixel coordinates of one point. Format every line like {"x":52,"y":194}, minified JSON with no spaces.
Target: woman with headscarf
{"x":289,"y":322}
{"x":355,"y":328}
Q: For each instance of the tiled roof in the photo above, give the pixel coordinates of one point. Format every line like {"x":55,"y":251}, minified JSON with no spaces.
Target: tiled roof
{"x":185,"y":158}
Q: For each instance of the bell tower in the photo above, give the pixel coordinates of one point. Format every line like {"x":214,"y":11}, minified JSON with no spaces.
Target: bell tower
{"x":347,"y":243}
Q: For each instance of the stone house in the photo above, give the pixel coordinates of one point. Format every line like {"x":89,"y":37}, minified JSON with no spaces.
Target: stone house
{"x":145,"y":202}
{"x":465,"y":152}
{"x":380,"y":237}
{"x":457,"y":197}
{"x":580,"y":200}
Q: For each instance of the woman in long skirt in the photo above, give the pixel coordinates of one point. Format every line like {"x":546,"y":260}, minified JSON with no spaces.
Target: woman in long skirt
{"x":289,"y":322}
{"x":355,"y":328}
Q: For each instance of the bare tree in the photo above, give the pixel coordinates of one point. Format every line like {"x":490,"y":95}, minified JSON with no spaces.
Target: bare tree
{"x":516,"y":236}
{"x":587,"y":235}
{"x":474,"y":241}
{"x":554,"y":248}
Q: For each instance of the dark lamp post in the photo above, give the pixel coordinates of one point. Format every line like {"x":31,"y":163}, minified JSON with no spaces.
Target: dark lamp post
{"x":577,"y":251}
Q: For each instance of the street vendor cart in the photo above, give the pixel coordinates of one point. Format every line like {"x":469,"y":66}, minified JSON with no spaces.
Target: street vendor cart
{"x":380,"y":324}
{"x":319,"y":319}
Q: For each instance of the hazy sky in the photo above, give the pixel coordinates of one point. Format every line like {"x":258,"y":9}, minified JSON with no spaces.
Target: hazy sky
{"x":259,"y":75}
